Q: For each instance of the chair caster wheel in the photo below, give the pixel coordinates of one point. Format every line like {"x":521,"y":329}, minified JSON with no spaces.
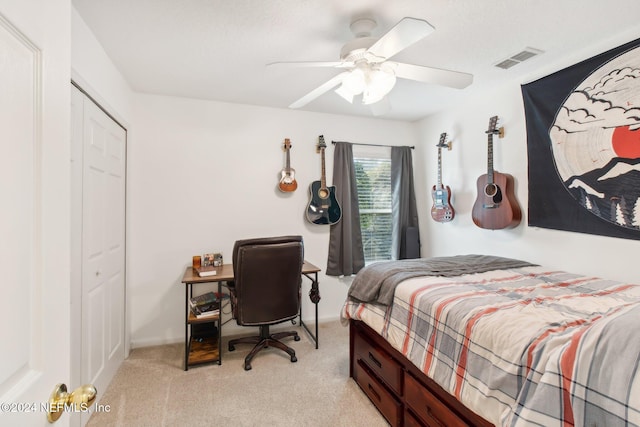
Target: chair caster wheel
{"x":232,"y":348}
{"x":294,"y":359}
{"x":296,"y":338}
{"x":247,"y":366}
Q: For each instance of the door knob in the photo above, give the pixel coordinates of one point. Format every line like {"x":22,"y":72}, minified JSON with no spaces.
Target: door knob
{"x":79,"y":400}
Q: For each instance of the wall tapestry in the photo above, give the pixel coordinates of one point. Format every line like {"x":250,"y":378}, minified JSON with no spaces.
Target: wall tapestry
{"x":583,"y":146}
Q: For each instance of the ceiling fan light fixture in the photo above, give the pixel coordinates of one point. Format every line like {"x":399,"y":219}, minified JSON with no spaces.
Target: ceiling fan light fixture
{"x":356,"y":81}
{"x":345,"y":93}
{"x":353,"y":84}
{"x":380,"y":81}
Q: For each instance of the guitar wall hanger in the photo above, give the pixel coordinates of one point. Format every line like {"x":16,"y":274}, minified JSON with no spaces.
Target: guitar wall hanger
{"x":499,"y":132}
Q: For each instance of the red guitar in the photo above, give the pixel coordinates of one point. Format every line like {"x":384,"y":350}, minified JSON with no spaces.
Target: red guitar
{"x":442,"y":211}
{"x":496,"y":206}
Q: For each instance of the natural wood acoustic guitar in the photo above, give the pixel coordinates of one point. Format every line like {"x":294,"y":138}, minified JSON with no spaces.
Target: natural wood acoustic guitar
{"x":496,"y":206}
{"x":442,"y":210}
{"x":287,"y":182}
{"x":323,"y":207}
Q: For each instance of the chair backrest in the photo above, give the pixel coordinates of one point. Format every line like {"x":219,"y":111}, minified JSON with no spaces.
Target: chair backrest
{"x":267,"y":275}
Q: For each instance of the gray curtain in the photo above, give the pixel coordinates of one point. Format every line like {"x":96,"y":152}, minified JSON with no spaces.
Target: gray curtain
{"x":346,"y":256}
{"x":403,"y":197}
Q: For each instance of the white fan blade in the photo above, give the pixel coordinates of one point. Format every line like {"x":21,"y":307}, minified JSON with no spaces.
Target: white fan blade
{"x":423,"y":74}
{"x":335,"y":81}
{"x":336,"y":64}
{"x":402,"y":35}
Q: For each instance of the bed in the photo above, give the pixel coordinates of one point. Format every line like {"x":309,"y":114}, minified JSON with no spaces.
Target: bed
{"x":484,"y":340}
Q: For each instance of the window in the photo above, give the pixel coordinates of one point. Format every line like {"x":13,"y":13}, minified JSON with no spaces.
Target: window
{"x":373,"y":179}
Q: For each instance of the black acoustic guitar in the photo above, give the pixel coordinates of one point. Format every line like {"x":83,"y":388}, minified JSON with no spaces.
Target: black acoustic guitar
{"x":496,"y":206}
{"x":441,"y":211}
{"x":323,"y":207}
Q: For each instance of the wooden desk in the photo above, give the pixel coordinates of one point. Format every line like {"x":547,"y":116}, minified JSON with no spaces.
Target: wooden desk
{"x":211,"y":351}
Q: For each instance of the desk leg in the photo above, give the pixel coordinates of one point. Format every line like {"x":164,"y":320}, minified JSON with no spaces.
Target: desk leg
{"x":314,"y":295}
{"x":316,"y":304}
{"x":187,"y":341}
{"x":220,"y":325}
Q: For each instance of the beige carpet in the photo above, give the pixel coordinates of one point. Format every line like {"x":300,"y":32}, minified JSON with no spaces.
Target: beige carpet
{"x":152,"y":389}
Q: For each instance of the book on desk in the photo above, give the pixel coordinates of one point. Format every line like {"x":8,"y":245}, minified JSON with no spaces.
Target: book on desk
{"x":206,"y":271}
{"x":206,"y":311}
{"x":207,"y":298}
{"x":204,"y":299}
{"x":205,"y":305}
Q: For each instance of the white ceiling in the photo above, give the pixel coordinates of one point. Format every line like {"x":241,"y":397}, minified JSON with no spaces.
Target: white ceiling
{"x":218,"y":49}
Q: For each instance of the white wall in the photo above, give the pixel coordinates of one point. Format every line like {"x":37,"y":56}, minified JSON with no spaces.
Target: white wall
{"x":94,"y":71}
{"x":204,"y":174}
{"x":466,"y":124}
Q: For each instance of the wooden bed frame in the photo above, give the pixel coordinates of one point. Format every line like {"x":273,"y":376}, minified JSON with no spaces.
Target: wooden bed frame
{"x":403,"y":394}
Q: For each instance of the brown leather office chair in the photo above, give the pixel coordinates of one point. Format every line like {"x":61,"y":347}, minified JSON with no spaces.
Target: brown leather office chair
{"x":266,"y":289}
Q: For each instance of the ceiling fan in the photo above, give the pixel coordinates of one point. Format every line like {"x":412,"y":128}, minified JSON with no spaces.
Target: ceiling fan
{"x":368,"y":72}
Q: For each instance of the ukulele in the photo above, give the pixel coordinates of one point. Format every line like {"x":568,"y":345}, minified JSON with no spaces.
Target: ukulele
{"x":323,"y":207}
{"x":442,"y":211}
{"x":496,"y":206}
{"x":287,"y":182}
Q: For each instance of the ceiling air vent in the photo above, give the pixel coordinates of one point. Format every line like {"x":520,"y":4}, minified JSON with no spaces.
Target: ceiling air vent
{"x":519,"y":57}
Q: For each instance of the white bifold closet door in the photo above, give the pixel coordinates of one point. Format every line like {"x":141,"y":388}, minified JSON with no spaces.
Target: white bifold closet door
{"x":98,"y":203}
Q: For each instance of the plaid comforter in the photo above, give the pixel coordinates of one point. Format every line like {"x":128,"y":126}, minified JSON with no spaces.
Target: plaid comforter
{"x":523,"y":346}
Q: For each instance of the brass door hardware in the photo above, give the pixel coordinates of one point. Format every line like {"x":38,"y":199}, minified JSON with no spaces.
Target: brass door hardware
{"x":78,"y":400}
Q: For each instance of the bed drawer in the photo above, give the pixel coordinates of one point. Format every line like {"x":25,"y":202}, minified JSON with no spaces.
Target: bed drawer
{"x":427,"y":407}
{"x":382,"y":398}
{"x":380,"y":362}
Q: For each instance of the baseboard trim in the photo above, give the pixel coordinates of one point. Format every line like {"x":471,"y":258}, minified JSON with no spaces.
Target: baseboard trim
{"x":233,"y":331}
